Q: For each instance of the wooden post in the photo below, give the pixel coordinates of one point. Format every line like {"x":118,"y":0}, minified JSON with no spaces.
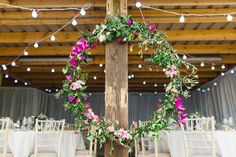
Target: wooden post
{"x":116,"y":83}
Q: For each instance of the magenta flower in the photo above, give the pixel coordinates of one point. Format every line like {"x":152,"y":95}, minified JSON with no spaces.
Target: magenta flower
{"x":86,"y":122}
{"x":183,"y":115}
{"x":153,"y":28}
{"x":88,"y":106}
{"x":73,"y":63}
{"x":82,"y":45}
{"x":70,"y":98}
{"x":136,"y":34}
{"x":69,"y":78}
{"x":120,"y":40}
{"x":181,"y":121}
{"x":129,"y":22}
{"x":179,"y":104}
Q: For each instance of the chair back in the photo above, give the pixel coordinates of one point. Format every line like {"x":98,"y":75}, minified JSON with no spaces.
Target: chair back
{"x":48,"y":133}
{"x":145,"y":146}
{"x":199,"y":136}
{"x":4,"y":127}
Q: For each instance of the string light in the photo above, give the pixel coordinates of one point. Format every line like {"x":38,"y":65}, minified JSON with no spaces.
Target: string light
{"x":13,"y":63}
{"x":49,"y":91}
{"x":222,"y":74}
{"x":213,"y":67}
{"x":140,"y":94}
{"x":4,"y":67}
{"x":46,"y":90}
{"x":74,"y":22}
{"x":144,"y":82}
{"x":208,"y":89}
{"x":199,"y":89}
{"x":104,"y":70}
{"x":132,"y":75}
{"x":164,"y":85}
{"x":15,"y":81}
{"x":53,"y":70}
{"x":203,"y":90}
{"x":56,"y":90}
{"x":155,"y":92}
{"x":229,"y":18}
{"x":26,"y":83}
{"x":140,"y":66}
{"x":202,"y":64}
{"x":182,"y":19}
{"x":138,"y":4}
{"x":82,"y":12}
{"x":129,"y":77}
{"x":155,"y":85}
{"x":34,"y":13}
{"x":95,"y":77}
{"x":26,"y":53}
{"x":100,"y":65}
{"x":36,"y":45}
{"x":28,"y":69}
{"x":223,"y":66}
{"x":53,"y":38}
{"x":184,"y":57}
{"x":215,"y":84}
{"x":6,"y":76}
{"x":90,"y":94}
{"x":232,"y":71}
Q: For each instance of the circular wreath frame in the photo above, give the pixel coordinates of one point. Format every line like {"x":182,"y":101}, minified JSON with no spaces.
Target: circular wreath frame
{"x":126,"y":30}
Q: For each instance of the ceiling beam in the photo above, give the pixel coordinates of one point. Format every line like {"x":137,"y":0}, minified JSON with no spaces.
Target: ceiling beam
{"x":102,"y":3}
{"x":100,"y":50}
{"x":173,"y":35}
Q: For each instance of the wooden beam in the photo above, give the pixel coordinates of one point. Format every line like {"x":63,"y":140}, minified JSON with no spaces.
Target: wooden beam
{"x":1,"y":77}
{"x":173,"y":35}
{"x":192,"y":49}
{"x":102,"y":3}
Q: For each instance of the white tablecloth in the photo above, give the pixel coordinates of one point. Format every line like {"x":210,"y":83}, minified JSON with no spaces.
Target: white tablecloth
{"x":21,"y":143}
{"x":173,"y":142}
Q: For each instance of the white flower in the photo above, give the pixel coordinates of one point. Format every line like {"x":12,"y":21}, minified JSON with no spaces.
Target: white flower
{"x":102,"y":38}
{"x":104,"y":26}
{"x":108,"y":33}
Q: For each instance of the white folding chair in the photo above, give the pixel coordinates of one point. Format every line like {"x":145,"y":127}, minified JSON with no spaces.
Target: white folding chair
{"x":4,"y":127}
{"x":143,"y":145}
{"x":90,"y":152}
{"x":199,"y":137}
{"x":48,"y":134}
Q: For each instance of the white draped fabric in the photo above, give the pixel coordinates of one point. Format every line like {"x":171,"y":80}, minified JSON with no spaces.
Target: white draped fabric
{"x":70,"y":142}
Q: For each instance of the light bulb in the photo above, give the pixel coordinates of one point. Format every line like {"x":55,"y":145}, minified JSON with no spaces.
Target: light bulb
{"x":82,"y":12}
{"x":132,"y":75}
{"x":213,"y":67}
{"x":164,"y":70}
{"x":182,"y":19}
{"x":223,"y":66}
{"x":144,"y":82}
{"x":140,"y":66}
{"x":49,"y":91}
{"x":6,"y":76}
{"x":100,"y":65}
{"x":155,"y":85}
{"x":34,"y":13}
{"x":53,"y":38}
{"x":199,"y":89}
{"x":26,"y":53}
{"x":13,"y":63}
{"x":26,"y":83}
{"x":74,"y":22}
{"x":46,"y":90}
{"x":203,"y":91}
{"x":90,"y":94}
{"x":28,"y":69}
{"x":56,"y":90}
{"x":164,"y":85}
{"x":208,"y":89}
{"x":4,"y":67}
{"x":232,"y":71}
{"x":104,"y":70}
{"x":155,"y":92}
{"x":140,"y":94}
{"x":215,"y":84}
{"x":230,"y":18}
{"x":202,"y":64}
{"x":53,"y":70}
{"x":36,"y":45}
{"x":184,"y":57}
{"x":222,"y":74}
{"x":95,"y":77}
{"x":129,"y":77}
{"x":16,"y":81}
{"x":138,"y":4}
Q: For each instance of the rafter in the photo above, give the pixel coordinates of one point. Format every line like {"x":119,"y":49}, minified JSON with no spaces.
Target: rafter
{"x":173,"y":35}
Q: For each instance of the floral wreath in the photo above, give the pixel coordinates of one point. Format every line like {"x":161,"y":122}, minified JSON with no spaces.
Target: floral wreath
{"x":124,"y":30}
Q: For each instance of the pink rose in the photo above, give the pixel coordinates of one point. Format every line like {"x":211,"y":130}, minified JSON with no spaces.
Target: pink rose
{"x":153,"y":28}
{"x":96,"y":118}
{"x":111,"y":129}
{"x":73,"y":63}
{"x":68,"y":78}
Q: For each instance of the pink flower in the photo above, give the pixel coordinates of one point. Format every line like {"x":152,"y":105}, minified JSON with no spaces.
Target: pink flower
{"x":129,"y":22}
{"x":171,"y":71}
{"x":90,"y":114}
{"x":148,"y":21}
{"x":179,"y":104}
{"x":158,"y":105}
{"x":134,"y":125}
{"x":86,"y":122}
{"x":68,"y":78}
{"x":77,"y":85}
{"x":70,"y":98}
{"x":183,"y":115}
{"x":96,"y":118}
{"x":111,"y":129}
{"x":82,"y":45}
{"x":153,"y":28}
{"x":181,"y":121}
{"x":73,"y":63}
{"x":120,"y":40}
{"x":136,"y":34}
{"x":88,"y":106}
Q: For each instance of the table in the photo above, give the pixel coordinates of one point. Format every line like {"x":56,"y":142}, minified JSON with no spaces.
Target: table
{"x":173,"y":143}
{"x":21,"y":143}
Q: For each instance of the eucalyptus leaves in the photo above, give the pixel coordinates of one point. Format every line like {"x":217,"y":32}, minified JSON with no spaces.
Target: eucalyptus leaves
{"x":123,"y":30}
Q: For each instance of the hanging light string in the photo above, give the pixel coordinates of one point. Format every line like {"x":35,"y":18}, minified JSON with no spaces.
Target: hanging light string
{"x":52,"y":35}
